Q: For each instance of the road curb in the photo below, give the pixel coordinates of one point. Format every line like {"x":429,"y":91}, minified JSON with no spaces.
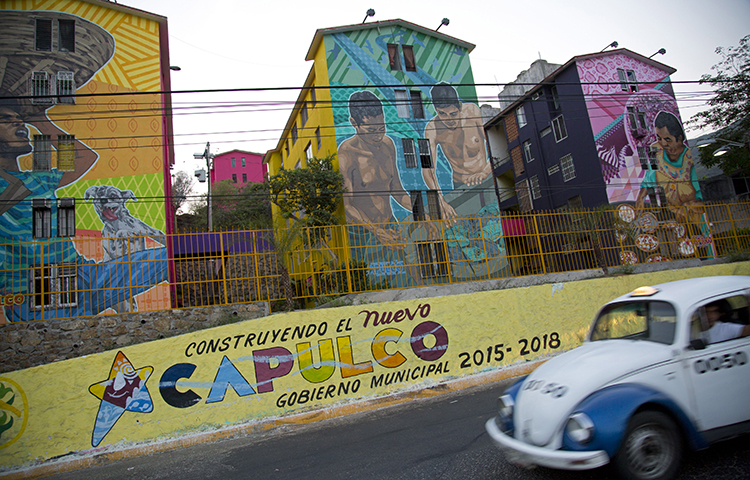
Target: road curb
{"x":93,"y":458}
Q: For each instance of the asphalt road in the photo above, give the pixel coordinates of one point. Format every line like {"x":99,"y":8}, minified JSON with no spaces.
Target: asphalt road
{"x":438,"y":438}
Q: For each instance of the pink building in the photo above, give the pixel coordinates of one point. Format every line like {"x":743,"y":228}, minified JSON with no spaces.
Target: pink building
{"x":239,"y":167}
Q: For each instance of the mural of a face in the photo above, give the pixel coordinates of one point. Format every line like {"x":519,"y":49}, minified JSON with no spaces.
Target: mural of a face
{"x":14,"y":136}
{"x":673,"y":146}
{"x":449,"y":115}
{"x":371,"y":129}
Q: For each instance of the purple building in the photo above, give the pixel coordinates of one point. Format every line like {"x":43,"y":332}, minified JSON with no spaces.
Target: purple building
{"x":239,"y":167}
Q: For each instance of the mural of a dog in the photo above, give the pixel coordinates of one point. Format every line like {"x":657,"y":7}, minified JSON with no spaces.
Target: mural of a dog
{"x":122,"y":232}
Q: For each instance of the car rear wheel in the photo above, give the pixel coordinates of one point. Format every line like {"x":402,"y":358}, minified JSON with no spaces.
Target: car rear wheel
{"x":651,"y":449}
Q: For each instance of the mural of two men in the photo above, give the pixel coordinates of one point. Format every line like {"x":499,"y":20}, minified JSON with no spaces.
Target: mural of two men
{"x":369,"y":163}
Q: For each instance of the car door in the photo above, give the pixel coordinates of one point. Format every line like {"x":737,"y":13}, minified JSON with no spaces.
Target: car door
{"x":720,"y":372}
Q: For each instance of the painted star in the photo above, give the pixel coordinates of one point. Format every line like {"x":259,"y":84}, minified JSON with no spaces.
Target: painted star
{"x":124,"y":390}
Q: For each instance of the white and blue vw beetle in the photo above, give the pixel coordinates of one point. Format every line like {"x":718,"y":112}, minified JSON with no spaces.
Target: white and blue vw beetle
{"x":648,"y":383}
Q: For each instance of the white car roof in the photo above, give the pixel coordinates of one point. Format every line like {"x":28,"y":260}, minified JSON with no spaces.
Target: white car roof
{"x":690,"y":291}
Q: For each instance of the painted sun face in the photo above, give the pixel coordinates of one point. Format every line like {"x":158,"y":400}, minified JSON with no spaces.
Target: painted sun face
{"x":449,"y":116}
{"x":14,"y":136}
{"x":371,"y":129}
{"x":671,"y":145}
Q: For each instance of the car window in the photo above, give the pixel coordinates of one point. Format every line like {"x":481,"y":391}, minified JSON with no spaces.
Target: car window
{"x":646,"y":320}
{"x":720,"y":320}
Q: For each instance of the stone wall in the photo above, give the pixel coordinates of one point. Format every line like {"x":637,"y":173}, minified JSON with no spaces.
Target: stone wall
{"x":24,"y":345}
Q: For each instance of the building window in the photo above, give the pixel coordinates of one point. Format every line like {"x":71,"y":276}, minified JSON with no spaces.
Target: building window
{"x":416,"y":104}
{"x":536,"y":190}
{"x":313,"y":97}
{"x":43,"y":35}
{"x":294,"y":134}
{"x":652,"y":157}
{"x":303,"y":113}
{"x":417,"y":206}
{"x":555,"y":97}
{"x":432,"y":262}
{"x":53,"y":286}
{"x":40,"y":88}
{"x":65,"y":88}
{"x":318,"y":139}
{"x":286,"y":148}
{"x":524,"y":199}
{"x":568,"y":169}
{"x":545,"y":131}
{"x":234,"y":162}
{"x":558,"y":126}
{"x":642,"y":119}
{"x":409,"y":64}
{"x":66,"y":153}
{"x":521,"y":116}
{"x":433,"y":205}
{"x":42,"y":157}
{"x":527,"y":151}
{"x":643,"y":157}
{"x":234,"y":178}
{"x":402,"y":103}
{"x":309,"y":152}
{"x":627,"y":79}
{"x":425,"y":155}
{"x":67,"y":35}
{"x":243,"y":161}
{"x":42,"y":218}
{"x":393,"y":57}
{"x":410,"y":156}
{"x":244,"y":178}
{"x":575,"y":203}
{"x":298,"y":165}
{"x":66,"y":217}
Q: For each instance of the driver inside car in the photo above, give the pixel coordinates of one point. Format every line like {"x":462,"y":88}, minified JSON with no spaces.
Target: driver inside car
{"x":716,"y":325}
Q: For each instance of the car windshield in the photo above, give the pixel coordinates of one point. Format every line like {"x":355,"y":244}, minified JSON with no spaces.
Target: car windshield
{"x":652,"y":321}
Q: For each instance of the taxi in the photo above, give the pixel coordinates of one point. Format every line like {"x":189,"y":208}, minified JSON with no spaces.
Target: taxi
{"x":664,"y":369}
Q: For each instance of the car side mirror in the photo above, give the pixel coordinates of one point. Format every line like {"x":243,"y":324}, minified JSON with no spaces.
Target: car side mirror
{"x":697,"y":344}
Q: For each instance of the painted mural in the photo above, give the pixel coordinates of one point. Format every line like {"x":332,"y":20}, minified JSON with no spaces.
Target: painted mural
{"x":269,"y":368}
{"x":412,"y":153}
{"x":70,"y":246}
{"x":645,"y":160}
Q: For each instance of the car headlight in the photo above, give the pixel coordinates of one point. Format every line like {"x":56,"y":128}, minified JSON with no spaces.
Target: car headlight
{"x":505,"y":406}
{"x":580,"y":428}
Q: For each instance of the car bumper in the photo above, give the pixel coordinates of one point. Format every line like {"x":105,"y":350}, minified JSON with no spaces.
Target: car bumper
{"x":524,"y":454}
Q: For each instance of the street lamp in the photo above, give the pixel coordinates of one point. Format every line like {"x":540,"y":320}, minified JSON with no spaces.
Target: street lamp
{"x":209,"y":157}
{"x":613,"y":45}
{"x":724,"y":148}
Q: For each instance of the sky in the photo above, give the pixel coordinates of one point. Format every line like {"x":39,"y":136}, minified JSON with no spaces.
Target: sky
{"x":254,"y":44}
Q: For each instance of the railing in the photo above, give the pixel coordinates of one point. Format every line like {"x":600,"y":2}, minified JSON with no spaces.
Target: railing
{"x":66,"y":278}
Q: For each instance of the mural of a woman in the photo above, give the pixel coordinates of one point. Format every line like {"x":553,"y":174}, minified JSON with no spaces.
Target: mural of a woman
{"x":28,"y":267}
{"x":675,"y":172}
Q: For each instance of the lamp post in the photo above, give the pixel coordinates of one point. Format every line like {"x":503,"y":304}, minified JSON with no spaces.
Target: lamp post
{"x":208,"y":156}
{"x":724,"y":148}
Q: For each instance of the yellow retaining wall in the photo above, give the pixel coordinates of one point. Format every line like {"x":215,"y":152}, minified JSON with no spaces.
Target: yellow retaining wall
{"x":289,"y":363}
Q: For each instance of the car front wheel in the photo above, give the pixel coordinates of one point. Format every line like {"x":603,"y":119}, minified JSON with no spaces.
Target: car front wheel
{"x":651,"y":449}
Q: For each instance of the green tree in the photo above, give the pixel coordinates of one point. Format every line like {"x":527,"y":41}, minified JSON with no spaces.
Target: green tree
{"x":284,"y":239}
{"x":729,"y":108}
{"x":234,"y":208}
{"x":309,"y":196}
{"x":583,"y":227}
{"x":182,"y":186}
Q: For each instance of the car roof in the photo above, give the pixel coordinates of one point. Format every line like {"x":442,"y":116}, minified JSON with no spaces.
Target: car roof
{"x":690,"y":291}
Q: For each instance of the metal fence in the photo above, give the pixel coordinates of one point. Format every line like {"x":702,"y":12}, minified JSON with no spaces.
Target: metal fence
{"x":78,"y":277}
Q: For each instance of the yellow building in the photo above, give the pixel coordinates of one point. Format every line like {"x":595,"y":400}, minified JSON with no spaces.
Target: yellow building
{"x":85,"y":84}
{"x":396,"y":103}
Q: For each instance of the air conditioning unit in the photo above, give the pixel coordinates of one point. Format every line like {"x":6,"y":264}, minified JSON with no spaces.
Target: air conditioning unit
{"x":201,"y":174}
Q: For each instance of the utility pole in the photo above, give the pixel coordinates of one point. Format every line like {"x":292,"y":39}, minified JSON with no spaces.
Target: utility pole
{"x":209,"y":157}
